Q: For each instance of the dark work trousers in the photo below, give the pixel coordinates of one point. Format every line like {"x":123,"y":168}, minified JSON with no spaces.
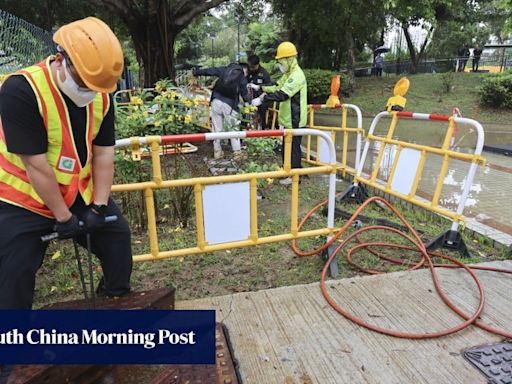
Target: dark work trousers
{"x":22,"y":252}
{"x":296,"y":151}
{"x":262,"y":112}
{"x":475,"y":63}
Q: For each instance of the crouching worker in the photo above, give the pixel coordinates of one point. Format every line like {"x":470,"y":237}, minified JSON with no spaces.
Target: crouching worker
{"x":57,"y":161}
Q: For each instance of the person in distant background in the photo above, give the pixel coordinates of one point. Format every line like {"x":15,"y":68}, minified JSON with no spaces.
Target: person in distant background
{"x":463,"y":57}
{"x":379,"y":64}
{"x":477,"y":52}
{"x":259,"y":76}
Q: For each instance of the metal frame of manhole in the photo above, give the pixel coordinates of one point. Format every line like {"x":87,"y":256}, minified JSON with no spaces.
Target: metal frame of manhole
{"x":494,"y":361}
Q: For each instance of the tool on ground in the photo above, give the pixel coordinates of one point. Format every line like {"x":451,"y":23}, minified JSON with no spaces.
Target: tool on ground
{"x":55,"y":235}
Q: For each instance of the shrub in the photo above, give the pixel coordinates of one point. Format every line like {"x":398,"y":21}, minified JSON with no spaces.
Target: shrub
{"x":447,"y":79}
{"x":319,"y":84}
{"x":496,"y":91}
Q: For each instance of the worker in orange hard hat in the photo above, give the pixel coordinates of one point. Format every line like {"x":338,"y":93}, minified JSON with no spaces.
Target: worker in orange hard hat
{"x":57,"y":161}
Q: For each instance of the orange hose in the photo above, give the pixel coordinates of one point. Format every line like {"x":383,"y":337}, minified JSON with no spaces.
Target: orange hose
{"x":426,"y":260}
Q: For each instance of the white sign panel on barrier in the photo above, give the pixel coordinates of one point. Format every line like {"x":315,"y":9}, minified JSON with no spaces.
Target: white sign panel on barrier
{"x":406,"y":170}
{"x":227,"y":212}
{"x":323,"y":148}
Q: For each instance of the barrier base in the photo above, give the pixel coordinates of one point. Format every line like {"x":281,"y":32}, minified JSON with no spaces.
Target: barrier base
{"x":333,"y":267}
{"x":354,"y":194}
{"x":450,"y":240}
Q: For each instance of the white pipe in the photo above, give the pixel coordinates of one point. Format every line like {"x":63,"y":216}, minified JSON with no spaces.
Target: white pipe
{"x":359,"y":125}
{"x":124,"y":142}
{"x":225,"y":135}
{"x":358,"y":113}
{"x":472,"y":169}
{"x":479,"y":130}
{"x":375,"y":121}
{"x":332,"y":176}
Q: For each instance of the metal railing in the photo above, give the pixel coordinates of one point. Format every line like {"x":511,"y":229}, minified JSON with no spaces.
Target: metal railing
{"x":344,"y":130}
{"x":444,"y":150}
{"x":199,"y":184}
{"x":317,"y":157}
{"x":21,"y":43}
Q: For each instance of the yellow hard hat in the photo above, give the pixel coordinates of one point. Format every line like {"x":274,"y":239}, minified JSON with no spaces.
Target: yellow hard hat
{"x":286,"y":49}
{"x":95,"y":52}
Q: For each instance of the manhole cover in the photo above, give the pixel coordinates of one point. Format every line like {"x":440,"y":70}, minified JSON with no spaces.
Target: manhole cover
{"x":493,"y":360}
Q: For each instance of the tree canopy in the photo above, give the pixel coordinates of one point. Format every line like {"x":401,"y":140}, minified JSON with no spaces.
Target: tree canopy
{"x":330,"y":34}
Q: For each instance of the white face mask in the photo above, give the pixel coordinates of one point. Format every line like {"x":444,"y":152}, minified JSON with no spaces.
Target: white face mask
{"x":283,"y":67}
{"x":71,"y":89}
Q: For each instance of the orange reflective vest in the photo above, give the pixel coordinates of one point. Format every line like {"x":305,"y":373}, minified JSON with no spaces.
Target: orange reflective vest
{"x":15,"y":187}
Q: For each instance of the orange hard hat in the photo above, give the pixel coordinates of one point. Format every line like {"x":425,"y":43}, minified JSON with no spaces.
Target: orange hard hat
{"x":95,"y":52}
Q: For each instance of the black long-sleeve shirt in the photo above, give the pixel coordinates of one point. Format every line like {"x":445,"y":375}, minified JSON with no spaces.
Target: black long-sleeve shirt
{"x":260,"y":77}
{"x":218,"y":72}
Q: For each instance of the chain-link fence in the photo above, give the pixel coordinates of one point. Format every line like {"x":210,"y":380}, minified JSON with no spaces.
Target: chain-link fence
{"x":21,"y":43}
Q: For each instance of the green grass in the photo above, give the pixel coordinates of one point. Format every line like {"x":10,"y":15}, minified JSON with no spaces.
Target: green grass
{"x":253,"y":268}
{"x":426,"y":94}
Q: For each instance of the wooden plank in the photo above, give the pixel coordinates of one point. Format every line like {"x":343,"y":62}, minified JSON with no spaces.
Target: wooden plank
{"x":291,"y":334}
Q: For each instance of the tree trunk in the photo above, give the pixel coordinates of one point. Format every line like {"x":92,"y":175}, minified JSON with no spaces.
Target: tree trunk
{"x":411,"y":48}
{"x":155,"y":54}
{"x":351,"y":60}
{"x":154,"y":27}
{"x":382,"y":34}
{"x":416,"y":56}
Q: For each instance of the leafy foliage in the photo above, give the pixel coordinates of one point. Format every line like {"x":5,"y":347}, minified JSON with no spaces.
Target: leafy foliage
{"x":319,"y":84}
{"x":496,"y":91}
{"x":263,"y":39}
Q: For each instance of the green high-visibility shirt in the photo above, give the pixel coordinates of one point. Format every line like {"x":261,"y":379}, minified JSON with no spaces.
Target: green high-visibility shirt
{"x":291,"y":93}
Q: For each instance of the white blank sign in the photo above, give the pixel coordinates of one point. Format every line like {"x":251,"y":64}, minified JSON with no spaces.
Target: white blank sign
{"x":227,"y":212}
{"x":406,"y":170}
{"x":323,"y":149}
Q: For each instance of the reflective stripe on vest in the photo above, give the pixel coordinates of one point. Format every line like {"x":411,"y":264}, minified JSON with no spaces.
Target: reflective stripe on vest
{"x":15,"y":187}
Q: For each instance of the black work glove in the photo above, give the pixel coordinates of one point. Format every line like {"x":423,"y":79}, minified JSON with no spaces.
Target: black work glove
{"x":68,"y":229}
{"x":94,"y":217}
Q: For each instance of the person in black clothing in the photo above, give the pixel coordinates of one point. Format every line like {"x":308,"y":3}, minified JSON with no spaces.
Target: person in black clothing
{"x":37,"y":120}
{"x":463,"y":57}
{"x":259,"y":76}
{"x":477,"y":53}
{"x":224,"y":102}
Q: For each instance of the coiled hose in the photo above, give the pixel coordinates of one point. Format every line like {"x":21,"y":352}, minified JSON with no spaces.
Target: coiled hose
{"x":425,"y":261}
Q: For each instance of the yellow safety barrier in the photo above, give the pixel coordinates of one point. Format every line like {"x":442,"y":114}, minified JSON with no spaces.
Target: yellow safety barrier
{"x":417,"y":162}
{"x":344,"y":165}
{"x":200,"y":183}
{"x":344,"y":131}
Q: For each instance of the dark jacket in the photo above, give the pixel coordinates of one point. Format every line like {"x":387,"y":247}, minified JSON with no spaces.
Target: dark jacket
{"x":219,"y":71}
{"x":259,"y":78}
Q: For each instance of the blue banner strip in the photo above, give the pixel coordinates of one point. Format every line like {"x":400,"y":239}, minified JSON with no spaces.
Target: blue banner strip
{"x":107,"y":337}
